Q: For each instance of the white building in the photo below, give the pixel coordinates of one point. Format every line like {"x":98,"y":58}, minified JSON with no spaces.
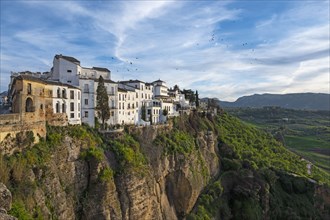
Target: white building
{"x":68,"y":70}
{"x":89,"y":100}
{"x":144,"y":92}
{"x":128,"y":111}
{"x":152,"y":111}
{"x":160,"y":89}
{"x":66,"y":99}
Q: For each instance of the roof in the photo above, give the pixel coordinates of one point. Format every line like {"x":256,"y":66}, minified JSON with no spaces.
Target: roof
{"x":101,"y":69}
{"x":132,"y":81}
{"x":46,"y":82}
{"x":127,"y":87}
{"x":68,"y":58}
{"x":158,"y":81}
{"x":105,"y":80}
{"x":122,"y":90}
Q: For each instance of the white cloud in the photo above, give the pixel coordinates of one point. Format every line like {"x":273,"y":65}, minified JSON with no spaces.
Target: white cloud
{"x":179,"y":42}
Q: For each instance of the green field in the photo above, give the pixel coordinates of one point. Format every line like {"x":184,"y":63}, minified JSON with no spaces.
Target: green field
{"x":307,"y":133}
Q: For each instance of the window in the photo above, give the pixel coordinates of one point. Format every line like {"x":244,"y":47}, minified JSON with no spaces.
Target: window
{"x":72,"y":106}
{"x":71,"y":94}
{"x":137,"y":104}
{"x":129,"y":106}
{"x":119,"y":105}
{"x":72,"y":115}
{"x":69,"y":81}
{"x":113,"y":104}
{"x":142,"y":95}
{"x":119,"y":97}
{"x":63,"y":108}
{"x":29,"y":89}
{"x":86,"y":114}
{"x":58,"y":93}
{"x":137,"y":95}
{"x":78,"y":95}
{"x":69,"y":71}
{"x":86,"y":101}
{"x":57,"y":107}
{"x":64,"y":93}
{"x":86,"y":88}
{"x":112,"y":90}
{"x":112,"y":114}
{"x":78,"y":107}
{"x":41,"y":106}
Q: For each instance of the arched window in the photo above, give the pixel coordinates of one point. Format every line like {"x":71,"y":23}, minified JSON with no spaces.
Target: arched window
{"x":57,"y":107}
{"x":58,"y":93}
{"x":29,"y":105}
{"x":63,"y":108}
{"x":64,"y":93}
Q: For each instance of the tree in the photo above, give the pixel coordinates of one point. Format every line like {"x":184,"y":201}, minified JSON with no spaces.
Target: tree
{"x":197,"y":99}
{"x":165,"y":112}
{"x":189,"y":95}
{"x":102,"y":102}
{"x":143,"y":109}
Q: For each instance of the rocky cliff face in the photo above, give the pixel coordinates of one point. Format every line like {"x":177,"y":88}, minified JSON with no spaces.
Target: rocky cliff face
{"x":154,"y":172}
{"x":5,"y":203}
{"x":71,"y":186}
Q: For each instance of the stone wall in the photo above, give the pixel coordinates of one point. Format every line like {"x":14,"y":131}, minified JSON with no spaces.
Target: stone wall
{"x":13,"y":124}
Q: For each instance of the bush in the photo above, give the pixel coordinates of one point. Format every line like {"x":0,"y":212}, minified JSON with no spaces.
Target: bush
{"x":106,"y":174}
{"x":228,"y":164}
{"x":18,"y":210}
{"x":92,"y":152}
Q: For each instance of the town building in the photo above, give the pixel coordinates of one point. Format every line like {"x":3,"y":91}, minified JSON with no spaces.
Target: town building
{"x":45,"y":98}
{"x":73,"y":90}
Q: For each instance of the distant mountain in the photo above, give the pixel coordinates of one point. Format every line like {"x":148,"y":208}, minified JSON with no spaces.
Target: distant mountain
{"x":307,"y":101}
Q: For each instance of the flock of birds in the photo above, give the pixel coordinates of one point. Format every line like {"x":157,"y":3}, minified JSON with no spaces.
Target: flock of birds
{"x":131,"y":67}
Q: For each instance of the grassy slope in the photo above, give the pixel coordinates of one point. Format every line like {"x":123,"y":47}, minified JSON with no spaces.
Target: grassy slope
{"x":307,"y":133}
{"x":255,"y":169}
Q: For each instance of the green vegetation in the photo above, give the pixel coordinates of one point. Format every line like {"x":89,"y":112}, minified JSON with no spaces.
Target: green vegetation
{"x":19,"y":171}
{"x":307,"y":133}
{"x":175,"y":141}
{"x":258,"y":176}
{"x":106,"y":174}
{"x":19,"y":211}
{"x":128,"y":155}
{"x":255,"y":168}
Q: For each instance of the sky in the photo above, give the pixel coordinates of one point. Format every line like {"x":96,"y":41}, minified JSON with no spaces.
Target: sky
{"x":224,"y":49}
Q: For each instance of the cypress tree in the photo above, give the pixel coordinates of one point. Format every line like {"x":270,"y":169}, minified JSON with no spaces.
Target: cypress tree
{"x":197,"y":99}
{"x":102,"y":102}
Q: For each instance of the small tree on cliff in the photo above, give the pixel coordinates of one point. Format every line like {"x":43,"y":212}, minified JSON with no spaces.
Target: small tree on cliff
{"x":197,"y":99}
{"x":102,"y":102}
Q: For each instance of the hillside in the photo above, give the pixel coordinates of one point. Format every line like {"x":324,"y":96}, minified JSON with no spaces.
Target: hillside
{"x":307,"y":101}
{"x":306,"y":133}
{"x":197,"y":166}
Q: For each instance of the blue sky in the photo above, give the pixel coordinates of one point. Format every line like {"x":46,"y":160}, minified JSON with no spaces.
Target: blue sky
{"x":224,"y":49}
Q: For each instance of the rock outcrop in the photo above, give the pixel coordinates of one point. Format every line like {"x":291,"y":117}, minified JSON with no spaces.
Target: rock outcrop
{"x":5,"y":203}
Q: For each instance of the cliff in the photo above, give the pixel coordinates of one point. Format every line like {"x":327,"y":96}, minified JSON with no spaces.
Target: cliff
{"x":158,"y":172}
